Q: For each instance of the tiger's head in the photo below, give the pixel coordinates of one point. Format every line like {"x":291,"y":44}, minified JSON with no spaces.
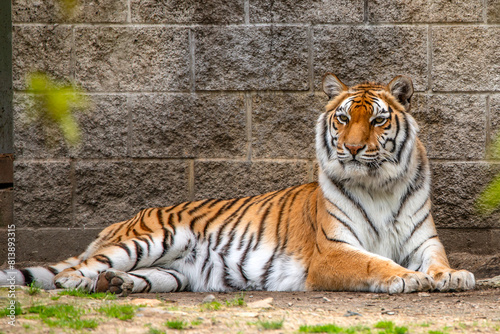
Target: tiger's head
{"x":366,"y":131}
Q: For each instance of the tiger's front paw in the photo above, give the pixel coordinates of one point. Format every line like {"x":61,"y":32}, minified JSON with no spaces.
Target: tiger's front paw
{"x":454,"y":280}
{"x":114,"y":281}
{"x":410,"y":282}
{"x":73,"y":280}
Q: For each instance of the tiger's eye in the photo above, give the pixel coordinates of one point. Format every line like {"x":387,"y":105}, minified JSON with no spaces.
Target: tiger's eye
{"x":343,"y":118}
{"x":379,"y":120}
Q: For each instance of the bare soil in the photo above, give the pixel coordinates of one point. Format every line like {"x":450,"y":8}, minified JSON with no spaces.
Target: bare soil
{"x":457,"y":312}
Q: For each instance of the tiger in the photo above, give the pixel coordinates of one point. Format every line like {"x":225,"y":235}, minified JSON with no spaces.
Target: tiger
{"x":365,"y":225}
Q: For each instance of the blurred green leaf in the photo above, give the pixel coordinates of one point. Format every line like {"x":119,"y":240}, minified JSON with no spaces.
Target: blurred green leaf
{"x":489,"y":199}
{"x":54,"y":105}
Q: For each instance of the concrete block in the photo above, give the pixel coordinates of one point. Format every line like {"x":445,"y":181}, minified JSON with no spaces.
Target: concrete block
{"x":465,"y":58}
{"x":42,"y":194}
{"x":103,"y":130}
{"x":48,"y":245}
{"x":494,"y":117}
{"x":455,"y":188}
{"x":448,"y":129}
{"x":188,"y":125}
{"x":357,"y":54}
{"x":132,"y":58}
{"x":466,"y":240}
{"x":425,"y":11}
{"x":187,"y":11}
{"x":6,"y":207}
{"x":40,"y":48}
{"x":50,"y":11}
{"x":109,"y":192}
{"x":493,"y":11}
{"x":283,"y":124}
{"x":307,"y":11}
{"x":231,"y":179}
{"x":244,"y":58}
{"x":495,"y":241}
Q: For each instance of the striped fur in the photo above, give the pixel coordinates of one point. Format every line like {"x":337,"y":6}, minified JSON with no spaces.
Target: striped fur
{"x":365,"y":226}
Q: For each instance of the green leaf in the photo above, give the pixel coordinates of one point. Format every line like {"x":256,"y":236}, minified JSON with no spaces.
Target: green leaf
{"x":489,"y":199}
{"x":53,"y":105}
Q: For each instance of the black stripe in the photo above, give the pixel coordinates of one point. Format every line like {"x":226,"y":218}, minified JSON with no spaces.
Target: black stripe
{"x":415,"y":185}
{"x":285,"y":242}
{"x":148,"y":282}
{"x":344,"y":192}
{"x":332,"y":239}
{"x":125,"y":247}
{"x":138,"y":252}
{"x":325,"y":139}
{"x":53,"y":270}
{"x":103,"y":259}
{"x":267,"y":268}
{"x":346,"y":224}
{"x":177,"y":279}
{"x":143,"y":224}
{"x":245,"y":253}
{"x":262,"y":227}
{"x":196,"y":219}
{"x":406,"y":260}
{"x":417,"y":226}
{"x":198,"y":207}
{"x":405,"y":139}
{"x":242,"y":237}
{"x":28,"y":276}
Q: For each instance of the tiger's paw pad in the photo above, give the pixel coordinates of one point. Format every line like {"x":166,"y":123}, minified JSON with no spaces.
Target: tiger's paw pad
{"x":456,"y":280}
{"x":114,"y":281}
{"x":73,"y":281}
{"x":410,"y":282}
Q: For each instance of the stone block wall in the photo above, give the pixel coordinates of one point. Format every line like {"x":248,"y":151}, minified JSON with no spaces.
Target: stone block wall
{"x":195,"y":99}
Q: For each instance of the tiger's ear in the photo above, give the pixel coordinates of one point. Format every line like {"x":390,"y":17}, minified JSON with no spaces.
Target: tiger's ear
{"x":332,"y":86}
{"x":401,"y":88}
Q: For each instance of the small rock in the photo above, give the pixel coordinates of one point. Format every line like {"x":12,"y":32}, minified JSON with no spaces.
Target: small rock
{"x":490,"y":282}
{"x":208,"y":299}
{"x":389,"y":312}
{"x":352,"y":314}
{"x":146,"y":302}
{"x":326,"y":299}
{"x":290,"y":304}
{"x":424,"y":294}
{"x":264,"y":303}
{"x":247,"y":315}
{"x":151,"y":310}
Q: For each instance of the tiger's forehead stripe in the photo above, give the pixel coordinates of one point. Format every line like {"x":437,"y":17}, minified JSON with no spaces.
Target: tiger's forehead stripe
{"x":372,"y":105}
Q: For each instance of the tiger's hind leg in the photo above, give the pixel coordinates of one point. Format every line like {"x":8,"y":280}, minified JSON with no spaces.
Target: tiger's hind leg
{"x":153,"y":279}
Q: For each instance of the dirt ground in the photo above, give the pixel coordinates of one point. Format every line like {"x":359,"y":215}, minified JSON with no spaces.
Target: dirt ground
{"x":475,"y":311}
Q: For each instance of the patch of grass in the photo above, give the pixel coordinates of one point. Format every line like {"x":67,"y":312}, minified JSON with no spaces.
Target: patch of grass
{"x":7,"y":311}
{"x":155,"y":331}
{"x":85,"y":294}
{"x":236,"y":301}
{"x":63,"y":316}
{"x":55,"y":297}
{"x":270,"y":324}
{"x":390,"y":328}
{"x":33,"y":289}
{"x":212,"y":306}
{"x":196,"y":322}
{"x":436,"y":332}
{"x":122,"y":312}
{"x":176,"y":324}
{"x":329,"y":328}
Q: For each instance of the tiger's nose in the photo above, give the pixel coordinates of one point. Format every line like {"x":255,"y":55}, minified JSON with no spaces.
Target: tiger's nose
{"x":354,"y":149}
